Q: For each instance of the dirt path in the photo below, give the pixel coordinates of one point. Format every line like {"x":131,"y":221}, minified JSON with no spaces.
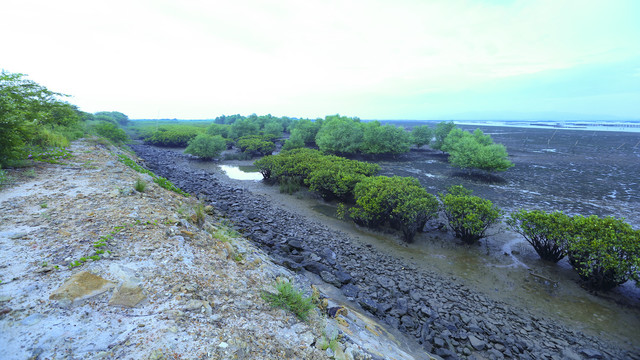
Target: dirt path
{"x":162,"y":289}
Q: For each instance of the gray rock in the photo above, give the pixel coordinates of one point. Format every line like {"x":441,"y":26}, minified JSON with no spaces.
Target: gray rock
{"x":330,"y":278}
{"x":343,"y":277}
{"x":350,"y":290}
{"x":591,"y":353}
{"x":477,"y":343}
{"x":369,"y":305}
{"x":438,"y":342}
{"x":386,"y":282}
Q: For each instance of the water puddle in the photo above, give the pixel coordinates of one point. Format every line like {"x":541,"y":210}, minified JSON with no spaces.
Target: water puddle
{"x":241,"y":172}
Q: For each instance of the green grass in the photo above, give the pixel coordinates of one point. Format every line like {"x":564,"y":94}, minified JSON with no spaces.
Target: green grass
{"x":163,"y":182}
{"x":290,"y":299}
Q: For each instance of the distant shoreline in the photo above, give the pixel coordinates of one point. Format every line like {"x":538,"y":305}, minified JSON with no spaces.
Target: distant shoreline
{"x":591,"y":125}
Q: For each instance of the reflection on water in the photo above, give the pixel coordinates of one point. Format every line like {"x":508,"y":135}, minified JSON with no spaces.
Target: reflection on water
{"x":241,"y":172}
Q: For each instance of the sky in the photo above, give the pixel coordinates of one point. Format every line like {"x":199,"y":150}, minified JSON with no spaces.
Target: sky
{"x":375,"y":59}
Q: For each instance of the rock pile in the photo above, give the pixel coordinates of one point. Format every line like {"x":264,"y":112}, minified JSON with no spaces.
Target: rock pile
{"x":447,"y":318}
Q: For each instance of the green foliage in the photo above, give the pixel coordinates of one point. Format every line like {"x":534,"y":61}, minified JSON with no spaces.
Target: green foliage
{"x":604,"y":251}
{"x":400,"y":201}
{"x":173,"y":135}
{"x":4,"y":178}
{"x":340,"y":135}
{"x":244,"y":127}
{"x":421,"y":135}
{"x":256,"y":145}
{"x":546,"y":232}
{"x":273,"y":128}
{"x":162,"y":182}
{"x":218,"y":129}
{"x":387,"y":139}
{"x":475,"y":151}
{"x":140,"y":185}
{"x":112,"y":116}
{"x":111,"y":131}
{"x":30,"y":114}
{"x":440,"y":133}
{"x":206,"y":146}
{"x":328,"y":175}
{"x":468,"y":216}
{"x":295,"y":141}
{"x":290,"y":184}
{"x":288,"y":298}
{"x":48,"y":155}
{"x":305,"y":130}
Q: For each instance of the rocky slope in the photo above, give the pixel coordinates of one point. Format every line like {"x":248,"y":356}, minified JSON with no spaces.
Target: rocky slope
{"x":158,"y":286}
{"x":445,"y":317}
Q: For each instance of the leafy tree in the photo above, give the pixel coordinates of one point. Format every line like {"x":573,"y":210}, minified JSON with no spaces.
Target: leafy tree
{"x":468,"y":216}
{"x":387,"y":139}
{"x":421,"y":135}
{"x":173,"y":135}
{"x":206,"y":146}
{"x":475,"y":151}
{"x":111,"y":131}
{"x":295,"y":141}
{"x":115,"y":116}
{"x":440,"y":133}
{"x":31,"y":114}
{"x":274,"y":128}
{"x":340,"y":135}
{"x":306,"y":130}
{"x":546,"y":232}
{"x":399,"y":201}
{"x":244,"y":127}
{"x":604,"y":251}
{"x":256,"y":145}
{"x":218,"y":129}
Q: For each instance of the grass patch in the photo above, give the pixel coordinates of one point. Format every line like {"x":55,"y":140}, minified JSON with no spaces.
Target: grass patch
{"x":289,"y":298}
{"x":163,"y":182}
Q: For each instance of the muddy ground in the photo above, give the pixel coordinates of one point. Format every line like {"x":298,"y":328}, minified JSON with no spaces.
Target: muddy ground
{"x":431,"y":295}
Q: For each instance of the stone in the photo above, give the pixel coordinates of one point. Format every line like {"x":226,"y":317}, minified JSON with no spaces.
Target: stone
{"x":369,"y":305}
{"x":129,"y":294}
{"x":477,"y":343}
{"x":315,"y":267}
{"x":193,"y":305}
{"x":350,"y":290}
{"x":386,"y":282}
{"x":329,"y":256}
{"x":343,"y":277}
{"x":81,"y":286}
{"x":438,"y":342}
{"x":401,"y":308}
{"x":591,"y":353}
{"x":330,"y":278}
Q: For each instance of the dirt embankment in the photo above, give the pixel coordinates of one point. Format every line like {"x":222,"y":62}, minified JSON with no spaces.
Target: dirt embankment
{"x":162,"y":288}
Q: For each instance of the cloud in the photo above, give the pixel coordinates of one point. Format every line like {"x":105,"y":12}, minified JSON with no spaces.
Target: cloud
{"x":201,"y":58}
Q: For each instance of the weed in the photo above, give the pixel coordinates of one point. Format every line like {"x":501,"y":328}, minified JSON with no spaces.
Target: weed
{"x":329,"y":342}
{"x":45,"y":264}
{"x":199,"y":214}
{"x":4,"y":178}
{"x":31,"y":173}
{"x":53,"y":155}
{"x":289,"y":298}
{"x":140,"y":185}
{"x":162,"y":182}
{"x":44,"y":205}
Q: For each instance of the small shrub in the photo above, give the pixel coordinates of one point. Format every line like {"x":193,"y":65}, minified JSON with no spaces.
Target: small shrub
{"x":206,"y":146}
{"x":199,"y":214}
{"x":162,"y":182}
{"x":468,"y":216}
{"x":546,"y":232}
{"x":140,"y":185}
{"x":290,"y":299}
{"x":604,"y":251}
{"x":111,"y":131}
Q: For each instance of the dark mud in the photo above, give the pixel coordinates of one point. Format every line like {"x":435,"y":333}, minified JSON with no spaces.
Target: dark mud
{"x":445,"y":316}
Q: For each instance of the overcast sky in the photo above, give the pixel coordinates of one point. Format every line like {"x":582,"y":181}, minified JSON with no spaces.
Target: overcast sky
{"x":395,"y":59}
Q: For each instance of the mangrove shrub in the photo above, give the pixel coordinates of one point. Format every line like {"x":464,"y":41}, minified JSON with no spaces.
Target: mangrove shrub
{"x":546,"y":232}
{"x":206,"y":146}
{"x":468,"y":216}
{"x":604,"y":251}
